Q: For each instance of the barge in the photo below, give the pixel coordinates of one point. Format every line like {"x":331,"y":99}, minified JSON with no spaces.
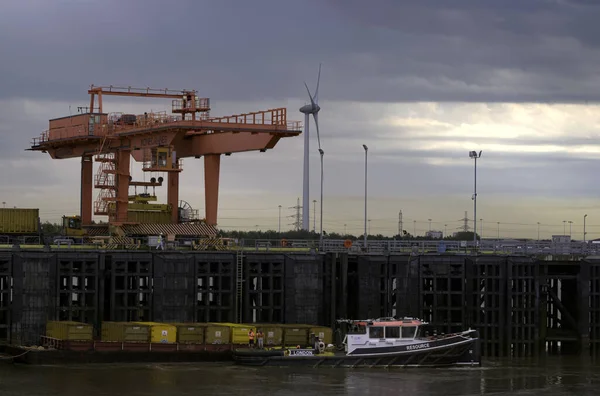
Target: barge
{"x":383,"y":342}
{"x":80,"y":352}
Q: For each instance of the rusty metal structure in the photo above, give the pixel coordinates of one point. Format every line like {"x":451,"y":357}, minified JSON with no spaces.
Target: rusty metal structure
{"x":157,"y":140}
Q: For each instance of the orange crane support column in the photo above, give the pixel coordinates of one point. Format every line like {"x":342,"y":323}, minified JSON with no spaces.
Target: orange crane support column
{"x":122,"y":193}
{"x":87,"y":188}
{"x":212,"y":165}
{"x":173,"y":195}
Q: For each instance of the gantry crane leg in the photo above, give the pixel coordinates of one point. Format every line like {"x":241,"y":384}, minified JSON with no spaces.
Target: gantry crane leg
{"x":122,"y":193}
{"x":87,"y":189}
{"x":173,"y":195}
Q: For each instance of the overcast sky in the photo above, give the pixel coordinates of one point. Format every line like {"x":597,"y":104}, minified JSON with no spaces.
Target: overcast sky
{"x":420,"y":82}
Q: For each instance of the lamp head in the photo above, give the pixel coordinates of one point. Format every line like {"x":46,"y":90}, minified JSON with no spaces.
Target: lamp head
{"x":365,"y":147}
{"x":321,"y":151}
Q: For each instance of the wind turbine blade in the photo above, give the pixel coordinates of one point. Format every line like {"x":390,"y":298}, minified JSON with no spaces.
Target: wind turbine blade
{"x":309,"y":95}
{"x":316,"y":117}
{"x":317,"y":90}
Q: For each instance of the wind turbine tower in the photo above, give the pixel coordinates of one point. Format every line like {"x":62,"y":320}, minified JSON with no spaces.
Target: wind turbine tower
{"x":312,"y":108}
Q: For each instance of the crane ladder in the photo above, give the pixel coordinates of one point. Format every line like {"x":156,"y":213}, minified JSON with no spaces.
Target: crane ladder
{"x":239,"y":297}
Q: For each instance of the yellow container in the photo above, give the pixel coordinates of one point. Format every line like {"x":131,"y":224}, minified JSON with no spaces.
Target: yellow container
{"x":150,"y":216}
{"x":190,"y":333}
{"x":216,"y":334}
{"x":273,"y":334}
{"x":325,"y":334}
{"x":295,"y":335}
{"x":161,"y":333}
{"x":19,"y":221}
{"x":72,"y":331}
{"x":125,"y":332}
{"x":238,"y":332}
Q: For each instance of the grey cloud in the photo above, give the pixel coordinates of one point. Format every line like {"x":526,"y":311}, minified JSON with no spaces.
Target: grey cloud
{"x":390,"y":51}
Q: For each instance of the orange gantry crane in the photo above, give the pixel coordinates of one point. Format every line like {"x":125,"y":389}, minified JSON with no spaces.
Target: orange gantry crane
{"x":158,"y":141}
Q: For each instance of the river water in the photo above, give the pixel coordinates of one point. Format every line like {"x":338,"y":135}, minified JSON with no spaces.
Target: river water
{"x":549,"y":378}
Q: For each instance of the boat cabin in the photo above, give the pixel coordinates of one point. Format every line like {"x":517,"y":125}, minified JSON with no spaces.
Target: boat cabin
{"x":385,"y":332}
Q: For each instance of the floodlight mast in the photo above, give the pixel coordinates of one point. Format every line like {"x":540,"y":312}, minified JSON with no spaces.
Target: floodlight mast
{"x":475,"y":156}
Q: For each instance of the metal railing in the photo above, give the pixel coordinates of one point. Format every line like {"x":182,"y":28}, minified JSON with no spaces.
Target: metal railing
{"x":524,"y":248}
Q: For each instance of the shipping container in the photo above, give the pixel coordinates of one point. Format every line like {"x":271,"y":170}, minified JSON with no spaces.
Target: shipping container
{"x":161,"y":333}
{"x":295,"y":334}
{"x":149,"y":217}
{"x":216,"y":334}
{"x":19,"y":221}
{"x":190,"y":333}
{"x":71,"y":331}
{"x":125,"y":332}
{"x":273,"y":334}
{"x":238,"y":332}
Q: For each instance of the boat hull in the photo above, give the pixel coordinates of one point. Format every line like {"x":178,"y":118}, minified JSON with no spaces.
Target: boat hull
{"x":461,"y":352}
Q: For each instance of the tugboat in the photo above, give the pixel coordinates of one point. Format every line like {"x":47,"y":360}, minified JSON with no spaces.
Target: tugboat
{"x":383,"y":342}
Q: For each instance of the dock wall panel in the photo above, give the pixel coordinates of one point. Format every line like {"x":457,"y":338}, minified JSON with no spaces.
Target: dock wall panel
{"x":6,"y":294}
{"x":404,"y":288}
{"x":34,"y":300}
{"x":265,"y":288}
{"x":372,"y":286}
{"x":523,"y":300}
{"x":486,"y":302}
{"x":594,"y":307}
{"x":130,"y":286}
{"x":174,"y":288}
{"x":304,"y":292}
{"x":77,"y":292}
{"x":215,"y":287}
{"x":443,"y":292}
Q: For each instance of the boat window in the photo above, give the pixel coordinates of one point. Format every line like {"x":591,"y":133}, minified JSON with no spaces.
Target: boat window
{"x":392,"y":332}
{"x":375,"y":332}
{"x":357,"y":329}
{"x":408,"y":332}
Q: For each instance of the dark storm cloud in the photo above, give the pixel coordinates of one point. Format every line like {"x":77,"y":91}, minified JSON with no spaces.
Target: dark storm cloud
{"x":390,"y":50}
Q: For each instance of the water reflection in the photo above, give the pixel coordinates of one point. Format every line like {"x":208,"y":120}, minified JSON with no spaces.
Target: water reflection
{"x":549,"y":378}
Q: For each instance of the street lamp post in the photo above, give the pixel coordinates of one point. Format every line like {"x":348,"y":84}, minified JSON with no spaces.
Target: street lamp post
{"x":414,"y":228}
{"x":584,"y":233}
{"x":321,"y":153}
{"x":314,"y":215}
{"x":366,"y":152}
{"x":445,"y":230}
{"x":538,"y":223}
{"x":570,"y":228}
{"x":564,"y":227}
{"x":475,"y":155}
{"x":369,"y":227}
{"x":498,"y":230}
{"x":429,"y":225}
{"x":279,"y":219}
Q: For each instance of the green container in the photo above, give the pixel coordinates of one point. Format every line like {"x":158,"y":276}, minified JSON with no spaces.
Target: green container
{"x":190,"y":333}
{"x":294,"y":335}
{"x":238,"y":332}
{"x":217,"y":334}
{"x":19,"y":221}
{"x":125,"y":332}
{"x":71,"y":331}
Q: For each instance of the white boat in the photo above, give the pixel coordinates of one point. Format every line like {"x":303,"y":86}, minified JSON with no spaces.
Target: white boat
{"x":383,"y":342}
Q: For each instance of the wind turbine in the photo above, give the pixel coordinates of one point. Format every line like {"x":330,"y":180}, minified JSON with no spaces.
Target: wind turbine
{"x":308,"y":109}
